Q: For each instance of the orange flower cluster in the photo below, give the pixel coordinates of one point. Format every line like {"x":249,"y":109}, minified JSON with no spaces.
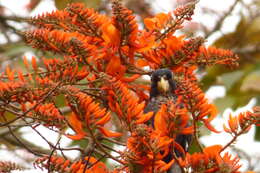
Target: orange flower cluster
{"x":197,"y":104}
{"x":127,"y":106}
{"x":89,"y":114}
{"x":58,"y":41}
{"x":213,"y":55}
{"x":7,"y":166}
{"x":172,"y":120}
{"x":211,"y":161}
{"x":164,"y":25}
{"x":67,"y":70}
{"x":148,"y":148}
{"x":49,"y":114}
{"x":8,"y":90}
{"x":59,"y":164}
{"x":243,"y":122}
{"x":75,"y":18}
{"x":125,"y":22}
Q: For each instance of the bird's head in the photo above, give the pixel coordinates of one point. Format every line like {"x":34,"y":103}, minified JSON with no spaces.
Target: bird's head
{"x":162,"y":83}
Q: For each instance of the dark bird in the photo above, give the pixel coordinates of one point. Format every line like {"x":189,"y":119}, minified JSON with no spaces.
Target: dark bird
{"x":162,"y":91}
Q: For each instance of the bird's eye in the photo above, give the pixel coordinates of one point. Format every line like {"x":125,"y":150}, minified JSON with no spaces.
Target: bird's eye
{"x":169,"y":76}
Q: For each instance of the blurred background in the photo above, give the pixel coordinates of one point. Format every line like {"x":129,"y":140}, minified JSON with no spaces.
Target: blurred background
{"x":229,"y":24}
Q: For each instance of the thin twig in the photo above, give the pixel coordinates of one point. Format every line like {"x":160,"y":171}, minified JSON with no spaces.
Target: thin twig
{"x":22,"y":144}
{"x":114,"y":141}
{"x":50,"y":156}
{"x":101,"y":147}
{"x":235,"y":138}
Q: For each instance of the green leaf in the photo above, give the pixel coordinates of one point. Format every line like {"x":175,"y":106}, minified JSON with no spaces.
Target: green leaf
{"x":193,"y":148}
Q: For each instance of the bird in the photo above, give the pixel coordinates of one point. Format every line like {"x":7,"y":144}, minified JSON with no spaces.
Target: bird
{"x":162,"y":91}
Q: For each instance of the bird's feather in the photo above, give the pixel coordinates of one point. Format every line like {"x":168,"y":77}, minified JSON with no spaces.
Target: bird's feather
{"x":156,"y":100}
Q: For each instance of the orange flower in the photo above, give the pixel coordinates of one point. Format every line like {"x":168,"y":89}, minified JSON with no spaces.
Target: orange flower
{"x":115,"y":68}
{"x":77,"y":126}
{"x":211,"y":161}
{"x":110,"y":34}
{"x":96,"y":166}
{"x":90,"y":117}
{"x":158,"y":22}
{"x":126,"y":104}
{"x":145,"y":147}
{"x":171,"y":120}
{"x":197,"y":103}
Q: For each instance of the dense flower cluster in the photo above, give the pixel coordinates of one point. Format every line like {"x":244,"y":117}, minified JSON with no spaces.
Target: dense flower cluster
{"x":97,"y":91}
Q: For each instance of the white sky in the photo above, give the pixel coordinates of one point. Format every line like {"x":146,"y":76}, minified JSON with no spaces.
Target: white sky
{"x":17,"y":7}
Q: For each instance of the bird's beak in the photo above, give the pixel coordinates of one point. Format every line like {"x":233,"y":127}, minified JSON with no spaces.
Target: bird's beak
{"x":163,"y":85}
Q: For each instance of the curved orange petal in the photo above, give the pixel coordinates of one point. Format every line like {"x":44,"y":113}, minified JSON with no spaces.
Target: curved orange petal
{"x":144,"y":118}
{"x":34,"y":64}
{"x":104,"y":119}
{"x":226,"y":129}
{"x":187,"y":130}
{"x":159,"y":121}
{"x":167,"y":166}
{"x":130,"y":79}
{"x":110,"y":34}
{"x":150,"y":23}
{"x":109,"y":133}
{"x":78,"y":136}
{"x":233,"y":123}
{"x":209,"y":126}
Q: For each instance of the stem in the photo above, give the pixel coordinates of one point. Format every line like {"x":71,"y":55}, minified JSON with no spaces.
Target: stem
{"x":22,"y":144}
{"x":196,"y":134}
{"x":101,"y":147}
{"x":178,"y":162}
{"x":234,"y":138}
{"x":45,"y":96}
{"x":114,"y":141}
{"x":52,"y":152}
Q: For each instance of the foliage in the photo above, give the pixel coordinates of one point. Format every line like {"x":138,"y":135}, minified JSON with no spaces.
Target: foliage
{"x":103,"y":60}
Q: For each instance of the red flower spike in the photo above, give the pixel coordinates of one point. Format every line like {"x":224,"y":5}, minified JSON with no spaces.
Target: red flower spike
{"x":233,"y":123}
{"x":59,"y":164}
{"x":124,"y":20}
